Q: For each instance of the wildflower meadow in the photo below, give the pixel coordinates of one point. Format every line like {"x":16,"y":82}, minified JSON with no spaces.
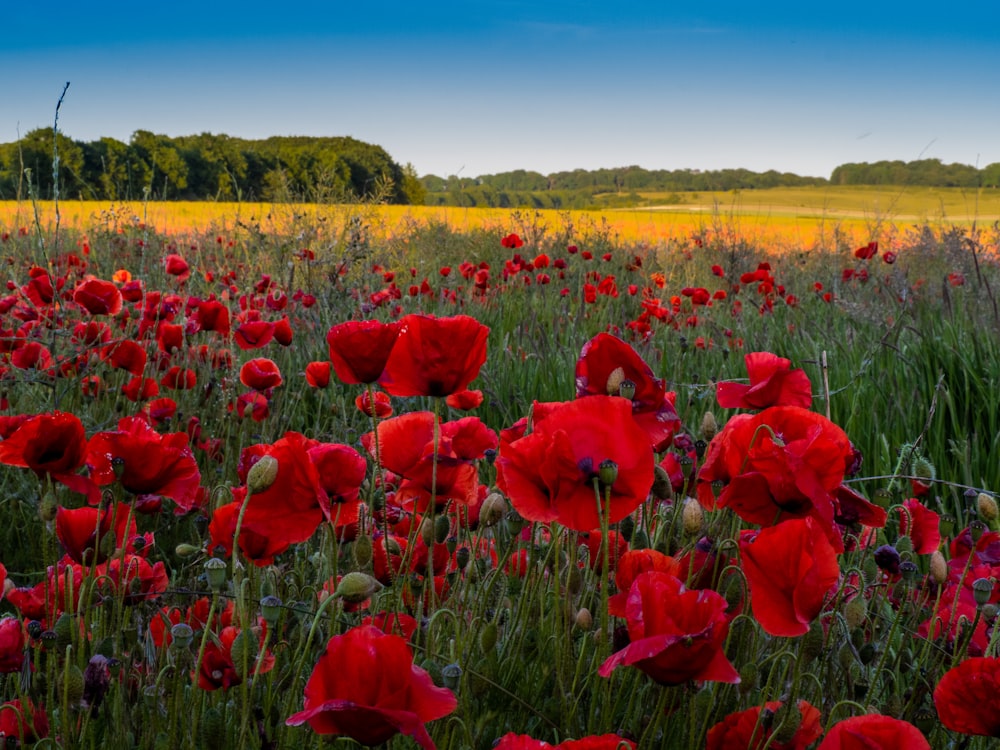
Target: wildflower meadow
{"x":519,"y":485}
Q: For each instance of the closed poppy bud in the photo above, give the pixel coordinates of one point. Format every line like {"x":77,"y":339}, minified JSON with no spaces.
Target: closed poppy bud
{"x":442,"y":527}
{"x":709,"y":426}
{"x":262,"y":474}
{"x":488,"y":637}
{"x":244,"y":653}
{"x":615,"y":379}
{"x":493,"y":510}
{"x":662,"y":489}
{"x":363,"y":550}
{"x":987,"y":506}
{"x":692,"y":516}
{"x":355,"y":587}
{"x":72,"y":683}
{"x":583,"y":620}
{"x":938,"y":567}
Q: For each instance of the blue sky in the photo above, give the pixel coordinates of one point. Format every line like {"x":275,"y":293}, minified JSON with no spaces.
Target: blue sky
{"x":482,"y":87}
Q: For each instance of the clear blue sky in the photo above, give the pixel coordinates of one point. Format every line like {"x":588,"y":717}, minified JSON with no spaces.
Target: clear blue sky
{"x":482,"y":87}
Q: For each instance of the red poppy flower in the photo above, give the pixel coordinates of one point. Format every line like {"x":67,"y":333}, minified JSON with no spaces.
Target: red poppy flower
{"x":179,"y":378}
{"x":318,"y":374}
{"x":397,"y":623}
{"x":435,"y":356}
{"x":126,"y":355}
{"x":341,"y":472}
{"x":283,"y":332}
{"x":31,"y":355}
{"x":145,"y":462}
{"x":790,"y":568}
{"x":772,"y":383}
{"x":98,"y":297}
{"x":53,"y":444}
{"x":867,"y":252}
{"x":218,"y":668}
{"x":260,"y":374}
{"x":512,"y":242}
{"x":383,"y":406}
{"x":254,"y":334}
{"x":285,"y":512}
{"x":12,"y":643}
{"x":465,"y":400}
{"x":176,"y":266}
{"x":874,"y":732}
{"x":607,"y":364}
{"x":24,"y":720}
{"x":406,"y":448}
{"x":783,"y":462}
{"x":366,"y":687}
{"x":675,"y":635}
{"x":968,"y":697}
{"x":745,"y":731}
{"x":359,"y":349}
{"x":86,"y":533}
{"x":922,"y":525}
{"x":211,"y":315}
{"x":134,"y":577}
{"x":51,"y":596}
{"x":140,"y":389}
{"x":554,"y":472}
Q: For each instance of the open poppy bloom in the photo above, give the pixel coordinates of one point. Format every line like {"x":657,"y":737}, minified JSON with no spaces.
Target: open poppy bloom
{"x":98,"y":297}
{"x":54,"y":444}
{"x":286,"y":511}
{"x":359,"y":349}
{"x":790,"y":568}
{"x":554,"y":473}
{"x":874,"y":732}
{"x":145,"y":462}
{"x":218,"y":667}
{"x":13,"y":639}
{"x":434,"y":356}
{"x":968,"y":697}
{"x":406,"y":448}
{"x":260,"y":374}
{"x":744,"y":730}
{"x":675,"y":634}
{"x":785,"y":462}
{"x":610,"y":367}
{"x":23,"y":720}
{"x":86,"y":533}
{"x":772,"y":383}
{"x":366,"y":687}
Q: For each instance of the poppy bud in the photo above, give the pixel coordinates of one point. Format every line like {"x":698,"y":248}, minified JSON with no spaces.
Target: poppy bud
{"x":432,"y":668}
{"x":904,"y":544}
{"x":244,"y":652}
{"x":709,"y":427}
{"x":492,"y":511}
{"x":615,"y":380}
{"x":583,"y":620}
{"x":488,"y":637}
{"x":427,"y":531}
{"x":186,"y":550}
{"x":625,"y":527}
{"x":574,"y":580}
{"x":215,"y":571}
{"x":211,"y":731}
{"x":749,"y":675}
{"x":856,"y":612}
{"x":442,"y":527}
{"x":64,"y":630}
{"x":72,"y":683}
{"x":787,"y":720}
{"x":982,"y":589}
{"x":662,"y":489}
{"x":355,"y":587}
{"x":692,"y":516}
{"x":923,"y":469}
{"x":987,"y":506}
{"x":812,"y":642}
{"x":262,"y":474}
{"x":182,"y":635}
{"x":47,"y":507}
{"x":363,"y":550}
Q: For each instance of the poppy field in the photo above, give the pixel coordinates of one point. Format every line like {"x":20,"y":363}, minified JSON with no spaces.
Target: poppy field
{"x":524,"y":486}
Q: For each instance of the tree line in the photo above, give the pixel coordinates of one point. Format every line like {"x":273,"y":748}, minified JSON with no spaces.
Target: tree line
{"x":342,"y":169}
{"x":204,"y":167}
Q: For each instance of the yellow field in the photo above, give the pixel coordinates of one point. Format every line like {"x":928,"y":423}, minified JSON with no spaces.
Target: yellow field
{"x":782,"y":219}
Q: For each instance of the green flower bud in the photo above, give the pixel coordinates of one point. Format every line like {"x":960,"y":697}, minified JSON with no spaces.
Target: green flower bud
{"x":262,"y":474}
{"x":355,"y":587}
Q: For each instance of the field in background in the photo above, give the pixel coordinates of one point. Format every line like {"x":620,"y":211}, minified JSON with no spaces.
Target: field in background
{"x":781,"y":218}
